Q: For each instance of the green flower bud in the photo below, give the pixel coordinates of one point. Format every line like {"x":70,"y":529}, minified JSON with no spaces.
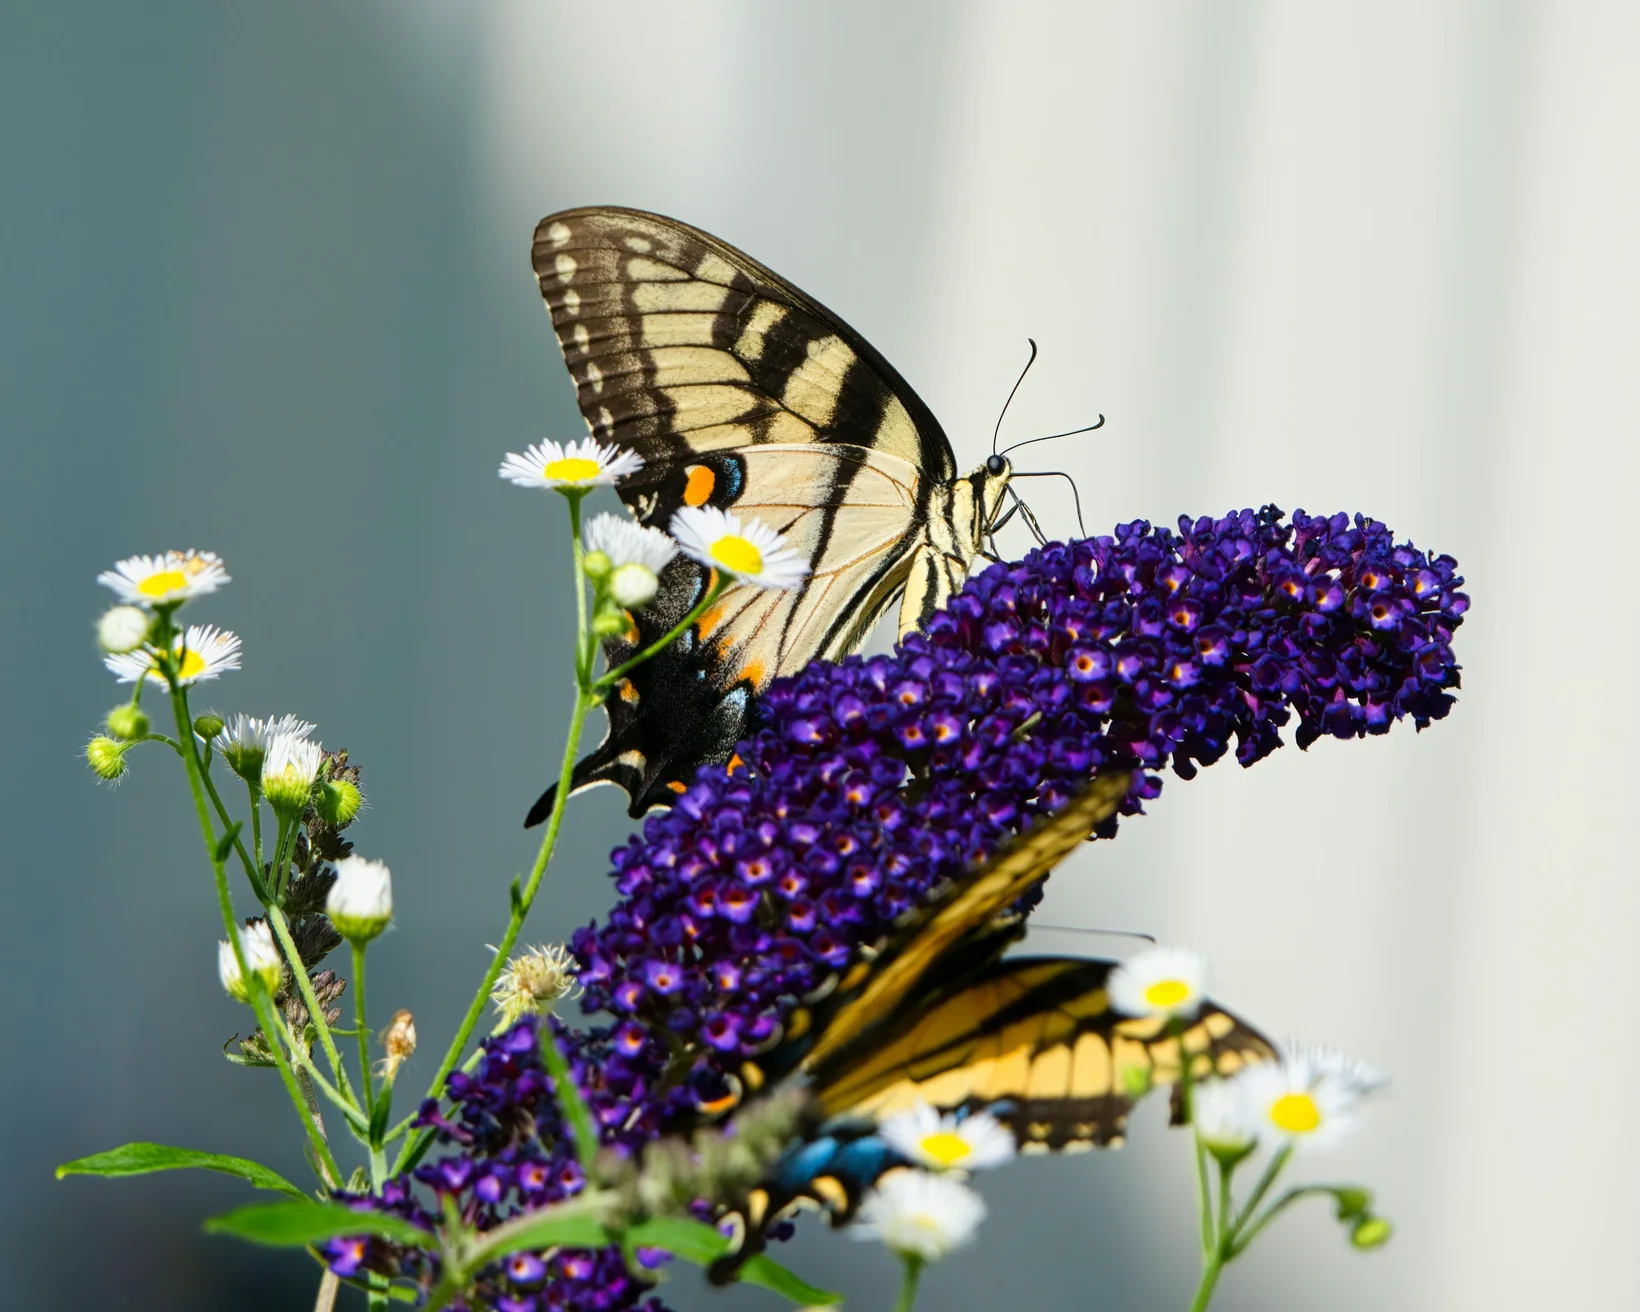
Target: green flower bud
{"x":1353,"y":1201}
{"x":360,"y":902}
{"x":338,"y":801}
{"x":208,"y":726}
{"x":597,"y":565}
{"x":288,"y":773}
{"x":1373,"y":1232}
{"x":106,"y":757}
{"x":127,"y":722}
{"x":610,"y":623}
{"x":122,"y":629}
{"x":633,"y":585}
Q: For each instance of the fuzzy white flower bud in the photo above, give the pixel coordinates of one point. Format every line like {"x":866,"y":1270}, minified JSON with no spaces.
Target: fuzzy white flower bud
{"x":261,"y":958}
{"x":122,"y":629}
{"x":288,"y":771}
{"x":633,"y":585}
{"x":360,"y":903}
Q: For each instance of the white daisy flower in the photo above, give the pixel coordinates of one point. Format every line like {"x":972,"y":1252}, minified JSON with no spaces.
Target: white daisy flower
{"x":1160,"y":981}
{"x":288,"y":772}
{"x":246,"y":739}
{"x":946,"y":1143}
{"x":360,"y":902}
{"x":633,"y":557}
{"x":1220,"y":1116}
{"x":261,"y":956}
{"x":165,"y":580}
{"x":203,"y":652}
{"x":753,"y":553}
{"x":582,"y":464}
{"x":1300,"y":1101}
{"x":920,"y":1215}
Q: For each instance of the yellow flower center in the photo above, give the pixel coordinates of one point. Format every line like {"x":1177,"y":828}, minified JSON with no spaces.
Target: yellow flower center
{"x":572,"y":469}
{"x":1166,"y":993}
{"x":1296,"y":1113}
{"x":163,"y":584}
{"x":945,"y":1147}
{"x":190,"y":665}
{"x":737,"y":555}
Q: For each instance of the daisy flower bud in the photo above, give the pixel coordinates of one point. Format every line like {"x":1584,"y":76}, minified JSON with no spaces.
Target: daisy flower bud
{"x":597,"y":565}
{"x":1371,"y":1232}
{"x":122,"y":629}
{"x":570,"y":468}
{"x":920,"y":1216}
{"x":203,"y":652}
{"x":261,"y":958}
{"x":360,"y":902}
{"x":947,"y":1143}
{"x":636,"y":555}
{"x":245,"y":745}
{"x":106,"y":757}
{"x":1159,"y":981}
{"x":751,"y":553}
{"x":338,"y":801}
{"x":400,"y":1041}
{"x":288,"y":771}
{"x":532,"y":982}
{"x":167,"y":580}
{"x":127,"y":722}
{"x":1220,"y":1117}
{"x":207,"y":726}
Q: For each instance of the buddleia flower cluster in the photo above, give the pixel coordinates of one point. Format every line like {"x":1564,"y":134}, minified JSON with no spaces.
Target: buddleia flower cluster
{"x":872,"y":781}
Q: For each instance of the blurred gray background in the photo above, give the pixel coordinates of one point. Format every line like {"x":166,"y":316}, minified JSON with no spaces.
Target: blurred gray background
{"x":264,"y":289}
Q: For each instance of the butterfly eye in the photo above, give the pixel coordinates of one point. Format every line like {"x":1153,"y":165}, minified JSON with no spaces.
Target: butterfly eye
{"x":994,"y":465}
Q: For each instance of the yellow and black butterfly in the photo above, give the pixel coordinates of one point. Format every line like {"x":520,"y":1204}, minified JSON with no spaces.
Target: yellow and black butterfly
{"x":940,"y":1016}
{"x":741,"y":392}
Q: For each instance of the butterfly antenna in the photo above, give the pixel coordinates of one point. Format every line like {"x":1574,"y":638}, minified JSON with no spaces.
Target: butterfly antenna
{"x":1052,"y":437}
{"x":1076,"y":496}
{"x":1106,"y":933}
{"x":996,"y":432}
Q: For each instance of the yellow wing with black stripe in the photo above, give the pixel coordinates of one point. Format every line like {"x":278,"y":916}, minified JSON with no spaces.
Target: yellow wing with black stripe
{"x":742,"y":392}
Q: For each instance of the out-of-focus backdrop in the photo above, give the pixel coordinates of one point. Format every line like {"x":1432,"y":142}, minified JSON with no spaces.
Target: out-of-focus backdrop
{"x":266,"y":290}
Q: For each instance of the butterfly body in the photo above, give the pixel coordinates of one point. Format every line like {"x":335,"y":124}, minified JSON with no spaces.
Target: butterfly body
{"x":741,"y":392}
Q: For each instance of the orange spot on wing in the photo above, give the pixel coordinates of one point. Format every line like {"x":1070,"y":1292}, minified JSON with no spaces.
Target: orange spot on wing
{"x":677,"y":786}
{"x":626,"y":691}
{"x":710,"y":619}
{"x":735,"y":763}
{"x":699,"y":485}
{"x":752,"y":672}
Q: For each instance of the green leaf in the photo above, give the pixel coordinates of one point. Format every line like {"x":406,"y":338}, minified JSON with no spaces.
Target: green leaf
{"x":569,"y":1097}
{"x":382,"y":1114}
{"x":145,"y":1158}
{"x":702,"y":1244}
{"x":224,"y":845}
{"x":692,"y":1240}
{"x":763,"y":1270}
{"x":578,"y":1223}
{"x":295,"y":1225}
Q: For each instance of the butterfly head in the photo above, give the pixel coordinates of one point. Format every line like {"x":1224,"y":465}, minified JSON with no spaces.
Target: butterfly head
{"x":990,"y":485}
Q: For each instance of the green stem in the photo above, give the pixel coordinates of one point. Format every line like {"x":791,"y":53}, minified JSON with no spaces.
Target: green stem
{"x":252,"y":872}
{"x":304,"y":985}
{"x":610,"y":677}
{"x":260,"y":1002}
{"x":1242,"y":1239}
{"x":309,"y":1070}
{"x":256,"y":823}
{"x":359,"y":1024}
{"x":908,"y":1286}
{"x":1259,"y":1190}
{"x":523,"y":899}
{"x":1211,"y":1268}
{"x":515,"y":923}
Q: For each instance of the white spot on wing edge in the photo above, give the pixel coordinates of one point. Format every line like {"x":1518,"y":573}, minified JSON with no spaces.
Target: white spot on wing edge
{"x":572,"y":301}
{"x":595,"y":376}
{"x":583,"y":339}
{"x":558,"y":234}
{"x":565,"y":266}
